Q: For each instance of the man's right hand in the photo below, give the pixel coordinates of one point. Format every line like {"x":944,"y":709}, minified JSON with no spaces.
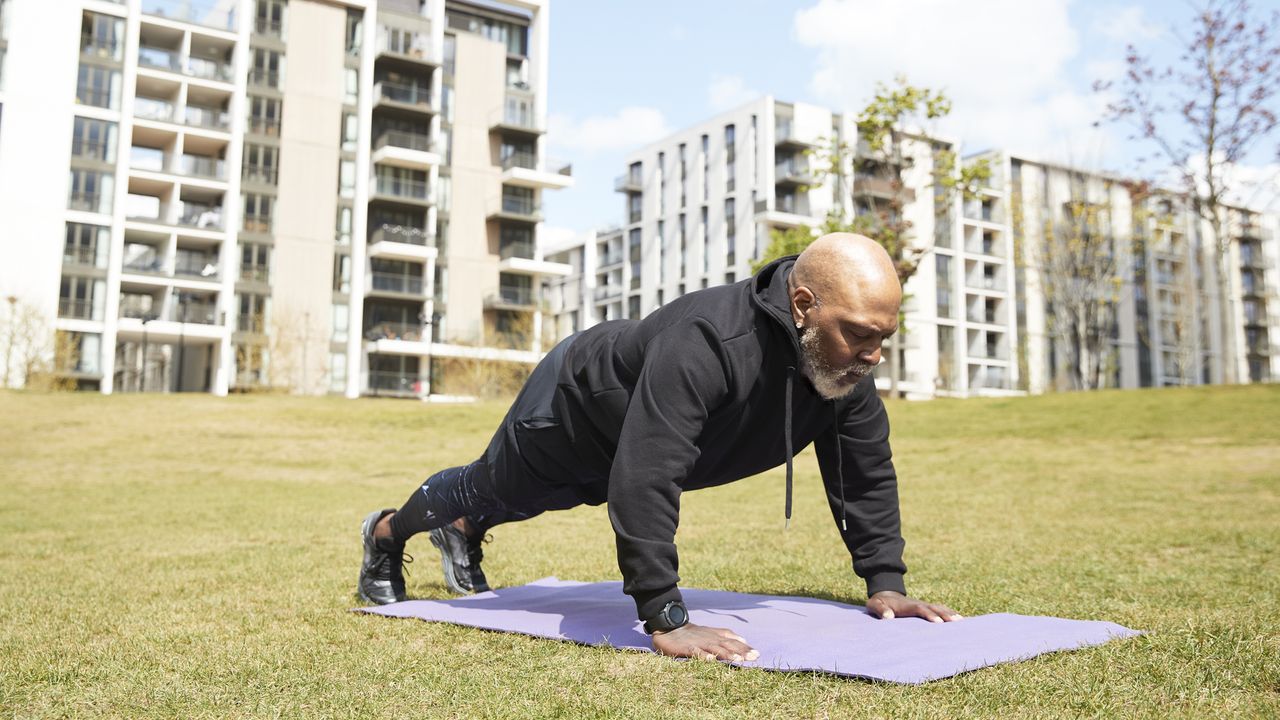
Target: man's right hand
{"x":704,"y":643}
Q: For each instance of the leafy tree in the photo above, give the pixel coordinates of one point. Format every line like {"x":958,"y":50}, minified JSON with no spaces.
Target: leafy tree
{"x":1205,"y":113}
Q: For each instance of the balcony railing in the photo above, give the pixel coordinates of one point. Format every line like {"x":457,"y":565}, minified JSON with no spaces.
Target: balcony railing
{"x":264,"y":126}
{"x":202,"y":313}
{"x":154,"y":57}
{"x":152,"y":109}
{"x":207,"y":167}
{"x":87,"y":202}
{"x":206,"y":117}
{"x":255,"y":273}
{"x":519,"y":249}
{"x":402,"y":187}
{"x":513,"y":295}
{"x":395,"y":383}
{"x":257,"y":223}
{"x":80,"y":255}
{"x":209,"y":69}
{"x":259,"y":174}
{"x":402,"y":234}
{"x":610,"y":259}
{"x":520,"y":206}
{"x":135,"y":307}
{"x":406,"y":93}
{"x":198,"y":12}
{"x":395,"y":282}
{"x":408,"y":140}
{"x":101,"y":47}
{"x":409,"y":332}
{"x":91,"y":150}
{"x":202,"y":267}
{"x":77,"y":309}
{"x":608,"y":291}
{"x":628,"y":183}
{"x":264,"y":77}
{"x":407,"y":44}
{"x":148,"y":265}
{"x":251,"y":323}
{"x":200,"y":215}
{"x":97,"y":97}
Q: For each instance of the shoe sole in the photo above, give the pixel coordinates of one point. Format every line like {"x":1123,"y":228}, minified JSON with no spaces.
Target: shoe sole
{"x":450,"y":578}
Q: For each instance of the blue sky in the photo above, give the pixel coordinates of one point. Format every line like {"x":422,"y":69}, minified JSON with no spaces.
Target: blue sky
{"x":1019,"y":72}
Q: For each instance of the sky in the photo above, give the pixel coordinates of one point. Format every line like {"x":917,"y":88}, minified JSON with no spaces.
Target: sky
{"x":1020,"y":74}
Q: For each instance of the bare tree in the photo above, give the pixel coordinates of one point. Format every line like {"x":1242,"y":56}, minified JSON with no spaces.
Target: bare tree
{"x":1079,"y":276}
{"x":1205,"y":114}
{"x":32,"y":350}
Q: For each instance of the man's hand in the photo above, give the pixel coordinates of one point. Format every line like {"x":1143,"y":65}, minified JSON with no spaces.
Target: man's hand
{"x":888,"y":604}
{"x":704,"y":643}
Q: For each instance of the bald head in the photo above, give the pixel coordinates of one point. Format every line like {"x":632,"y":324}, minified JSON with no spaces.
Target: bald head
{"x":849,"y":270}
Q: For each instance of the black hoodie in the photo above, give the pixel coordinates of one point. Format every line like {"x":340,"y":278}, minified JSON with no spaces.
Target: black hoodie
{"x":696,"y":395}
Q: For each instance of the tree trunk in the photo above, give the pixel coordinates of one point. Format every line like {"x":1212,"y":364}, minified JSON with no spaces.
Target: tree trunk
{"x":1230,"y":368}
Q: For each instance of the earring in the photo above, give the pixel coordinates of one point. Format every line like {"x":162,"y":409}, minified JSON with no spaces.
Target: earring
{"x":799,"y":325}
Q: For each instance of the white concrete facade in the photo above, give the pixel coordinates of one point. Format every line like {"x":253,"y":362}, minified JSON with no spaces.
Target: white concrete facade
{"x":260,"y":190}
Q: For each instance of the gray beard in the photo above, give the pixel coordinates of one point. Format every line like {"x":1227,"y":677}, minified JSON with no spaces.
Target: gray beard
{"x":827,"y":380}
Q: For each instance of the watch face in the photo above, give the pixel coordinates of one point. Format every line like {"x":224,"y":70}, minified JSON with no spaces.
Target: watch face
{"x":677,"y":615}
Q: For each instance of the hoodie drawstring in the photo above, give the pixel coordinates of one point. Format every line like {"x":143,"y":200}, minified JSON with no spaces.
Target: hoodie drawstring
{"x":835,"y":430}
{"x":786,"y":429}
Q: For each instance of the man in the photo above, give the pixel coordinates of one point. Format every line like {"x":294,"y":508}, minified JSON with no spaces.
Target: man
{"x":718,"y":385}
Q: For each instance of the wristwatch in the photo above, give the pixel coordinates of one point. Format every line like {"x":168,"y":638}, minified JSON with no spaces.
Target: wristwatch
{"x":672,"y":616}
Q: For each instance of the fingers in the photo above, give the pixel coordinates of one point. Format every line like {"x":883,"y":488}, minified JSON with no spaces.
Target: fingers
{"x":889,"y":608}
{"x":880,"y":608}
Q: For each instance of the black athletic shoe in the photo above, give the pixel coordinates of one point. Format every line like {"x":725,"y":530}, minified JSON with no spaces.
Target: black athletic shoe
{"x":460,"y":558}
{"x":382,"y":572}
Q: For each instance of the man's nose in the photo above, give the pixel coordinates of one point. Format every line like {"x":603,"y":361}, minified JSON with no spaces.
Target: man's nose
{"x":870,"y":355}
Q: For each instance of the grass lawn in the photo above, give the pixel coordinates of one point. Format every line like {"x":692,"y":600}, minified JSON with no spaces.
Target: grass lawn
{"x":196,"y":556}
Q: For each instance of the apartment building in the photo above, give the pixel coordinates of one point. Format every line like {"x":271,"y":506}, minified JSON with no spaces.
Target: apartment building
{"x":987,"y":311}
{"x":324,"y":196}
{"x":700,"y":205}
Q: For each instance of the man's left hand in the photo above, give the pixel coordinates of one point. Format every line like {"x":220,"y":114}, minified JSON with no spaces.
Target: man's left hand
{"x":888,"y":604}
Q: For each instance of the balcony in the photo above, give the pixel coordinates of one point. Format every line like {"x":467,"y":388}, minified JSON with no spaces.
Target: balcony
{"x":200,"y":215}
{"x":401,"y":242}
{"x":793,"y":172}
{"x":395,"y":283}
{"x":628,"y":183}
{"x":259,"y":174}
{"x":522,"y":169}
{"x":785,"y":136}
{"x":201,"y":267}
{"x":884,"y":188}
{"x":518,"y":209}
{"x":517,"y":117}
{"x":406,"y":96}
{"x":786,"y":215}
{"x":75,"y":309}
{"x":407,"y":46}
{"x":255,"y":274}
{"x":511,"y":297}
{"x":89,"y":202}
{"x":610,"y":259}
{"x":200,"y":313}
{"x":98,"y":47}
{"x":270,"y":127}
{"x":145,"y":108}
{"x":251,"y":323}
{"x":405,"y":149}
{"x":209,"y":69}
{"x":146,"y":265}
{"x":263,"y":78}
{"x":406,"y":332}
{"x":391,"y":187}
{"x":207,"y":13}
{"x":207,"y":117}
{"x":519,"y":258}
{"x":256,"y":223}
{"x":203,"y":167}
{"x":608,"y":292}
{"x":82,"y":256}
{"x":158,"y":58}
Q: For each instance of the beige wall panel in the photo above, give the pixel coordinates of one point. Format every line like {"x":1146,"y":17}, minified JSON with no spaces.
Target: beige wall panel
{"x":477,"y":186}
{"x":307,"y":205}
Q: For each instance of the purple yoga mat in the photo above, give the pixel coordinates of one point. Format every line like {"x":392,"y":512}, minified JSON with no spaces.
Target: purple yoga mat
{"x":791,"y":633}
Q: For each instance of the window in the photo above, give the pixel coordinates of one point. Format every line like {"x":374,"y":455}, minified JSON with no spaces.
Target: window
{"x":260,"y":163}
{"x":684,"y":249}
{"x":342,"y":273}
{"x":101,"y":36}
{"x":515,"y":37}
{"x":257,"y":212}
{"x":341,"y":322}
{"x":705,"y":239}
{"x":91,"y":190}
{"x":662,"y":251}
{"x":347,"y":178}
{"x":86,"y":245}
{"x":94,"y":140}
{"x":76,"y":296}
{"x":633,"y":307}
{"x":268,"y":68}
{"x":269,"y":18}
{"x":253,"y":312}
{"x":255,"y":262}
{"x":98,"y":86}
{"x":684,"y":175}
{"x":706,"y":167}
{"x":355,"y":24}
{"x":662,"y":183}
{"x":730,"y":159}
{"x":264,"y":115}
{"x":350,"y":86}
{"x":342,"y":235}
{"x":635,"y":204}
{"x":730,"y":231}
{"x":943,"y":283}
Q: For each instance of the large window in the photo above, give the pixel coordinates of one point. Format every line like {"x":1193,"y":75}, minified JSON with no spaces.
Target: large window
{"x":264,"y":115}
{"x":91,"y":190}
{"x":94,"y":140}
{"x":98,"y":86}
{"x":86,"y":245}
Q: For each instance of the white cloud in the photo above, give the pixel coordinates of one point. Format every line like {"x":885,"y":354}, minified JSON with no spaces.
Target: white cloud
{"x":728,"y":91}
{"x":1126,"y":25}
{"x":1003,"y":63}
{"x":628,"y":128}
{"x":554,"y":237}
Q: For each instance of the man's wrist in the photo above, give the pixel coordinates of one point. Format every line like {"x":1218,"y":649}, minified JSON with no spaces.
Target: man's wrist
{"x":673,"y":616}
{"x":879,"y":582}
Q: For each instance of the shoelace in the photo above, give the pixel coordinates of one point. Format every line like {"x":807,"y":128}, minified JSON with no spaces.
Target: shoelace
{"x":475,"y":553}
{"x":383,"y":569}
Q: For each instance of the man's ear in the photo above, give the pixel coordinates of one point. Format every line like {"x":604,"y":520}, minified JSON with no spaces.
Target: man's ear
{"x":801,"y":301}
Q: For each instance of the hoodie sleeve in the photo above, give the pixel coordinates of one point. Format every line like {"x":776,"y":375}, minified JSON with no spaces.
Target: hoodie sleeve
{"x":684,"y":378}
{"x":857,"y":454}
